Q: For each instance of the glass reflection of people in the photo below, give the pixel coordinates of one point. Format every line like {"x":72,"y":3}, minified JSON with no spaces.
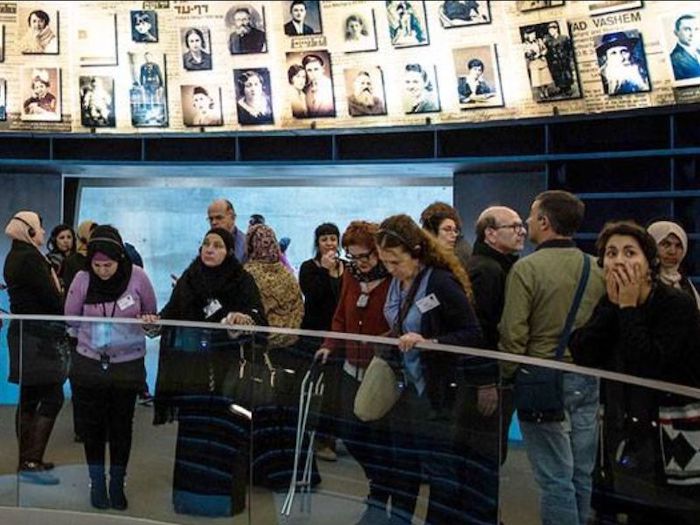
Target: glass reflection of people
{"x":363,"y":101}
{"x":254,"y":106}
{"x":296,"y":75}
{"x":536,"y":57}
{"x":96,"y":103}
{"x":42,"y":100}
{"x":685,"y":57}
{"x":404,"y":26}
{"x":204,"y":108}
{"x":620,"y":70}
{"x":473,"y":87}
{"x":419,"y":92}
{"x":297,"y":25}
{"x":151,"y":79}
{"x":196,"y":58}
{"x":560,"y":59}
{"x":319,"y":88}
{"x":40,"y":38}
{"x":245,"y":38}
{"x":142,"y":28}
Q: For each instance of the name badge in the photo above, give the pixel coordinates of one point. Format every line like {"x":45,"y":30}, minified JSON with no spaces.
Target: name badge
{"x":213,"y":307}
{"x":125,"y":302}
{"x":427,"y":303}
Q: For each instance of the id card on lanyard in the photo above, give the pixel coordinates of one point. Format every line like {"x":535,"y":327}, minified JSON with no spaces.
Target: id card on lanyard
{"x":102,"y":336}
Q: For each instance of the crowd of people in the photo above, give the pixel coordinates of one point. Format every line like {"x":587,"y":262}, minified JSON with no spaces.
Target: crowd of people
{"x":627,"y":309}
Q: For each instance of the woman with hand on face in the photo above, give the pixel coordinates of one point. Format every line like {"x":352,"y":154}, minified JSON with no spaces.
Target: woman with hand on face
{"x":39,"y":38}
{"x":645,"y":328}
{"x":108,"y":370}
{"x":672,"y":244}
{"x":360,"y":311}
{"x":428,"y":301}
{"x":320,"y":280}
{"x":35,"y":362}
{"x":61,"y":245}
{"x":211,"y":460}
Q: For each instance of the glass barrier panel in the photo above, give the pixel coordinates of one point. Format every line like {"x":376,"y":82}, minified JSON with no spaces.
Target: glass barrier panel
{"x":10,"y":424}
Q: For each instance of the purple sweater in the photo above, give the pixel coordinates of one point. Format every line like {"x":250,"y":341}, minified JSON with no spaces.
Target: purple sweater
{"x":121,"y":342}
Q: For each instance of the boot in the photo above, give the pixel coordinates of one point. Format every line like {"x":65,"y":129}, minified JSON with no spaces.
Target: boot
{"x":116,"y":488}
{"x":98,"y":487}
{"x":42,"y":427}
{"x":34,"y":437}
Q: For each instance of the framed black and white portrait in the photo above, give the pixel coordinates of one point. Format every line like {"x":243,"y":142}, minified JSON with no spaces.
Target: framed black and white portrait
{"x":41,"y":94}
{"x":535,"y":5}
{"x":464,"y":13}
{"x":246,"y":24}
{"x":357,"y":25}
{"x":97,"y":102}
{"x":253,"y":96}
{"x":365,"y":91}
{"x":408,"y":24}
{"x":302,"y":17}
{"x":310,"y":85}
{"x":612,"y":6}
{"x":97,"y":40}
{"x":148,"y":95}
{"x":196,"y":48}
{"x":201,"y":105}
{"x":38,"y":30}
{"x":144,"y":27}
{"x":622,"y":63}
{"x":478,"y":78}
{"x":681,"y":38}
{"x":551,"y":64}
{"x":420,"y":88}
{"x":3,"y":99}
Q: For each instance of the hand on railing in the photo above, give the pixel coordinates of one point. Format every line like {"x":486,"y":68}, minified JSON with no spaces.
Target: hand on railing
{"x":409,"y":340}
{"x":322,"y":355}
{"x":150,"y":327}
{"x":487,"y":400}
{"x":237,"y":318}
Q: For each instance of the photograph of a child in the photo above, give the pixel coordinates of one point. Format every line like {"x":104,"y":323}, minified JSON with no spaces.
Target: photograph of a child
{"x":144,"y":26}
{"x":42,"y":91}
{"x":201,"y":105}
{"x":97,"y":102}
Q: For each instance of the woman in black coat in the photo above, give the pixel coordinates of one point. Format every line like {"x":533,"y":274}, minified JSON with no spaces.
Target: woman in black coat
{"x":33,"y":288}
{"x":211,"y":460}
{"x":644,"y":328}
{"x":428,"y":301}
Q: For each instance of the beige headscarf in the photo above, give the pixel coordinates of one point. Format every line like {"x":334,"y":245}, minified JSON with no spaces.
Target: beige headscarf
{"x":18,"y":230}
{"x":83,"y":234}
{"x":671,"y":276}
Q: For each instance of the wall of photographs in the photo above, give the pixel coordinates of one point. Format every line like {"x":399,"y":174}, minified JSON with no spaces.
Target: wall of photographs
{"x":130,"y":67}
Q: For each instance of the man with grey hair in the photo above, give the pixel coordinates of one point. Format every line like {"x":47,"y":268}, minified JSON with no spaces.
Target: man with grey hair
{"x":221,"y":214}
{"x":500,"y":235}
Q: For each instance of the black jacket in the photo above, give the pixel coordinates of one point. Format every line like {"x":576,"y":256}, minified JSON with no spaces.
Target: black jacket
{"x":31,"y":290}
{"x":321,"y":295}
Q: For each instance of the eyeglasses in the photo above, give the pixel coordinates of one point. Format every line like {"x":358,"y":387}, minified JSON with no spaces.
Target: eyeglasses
{"x":361,"y":257}
{"x":516,"y":227}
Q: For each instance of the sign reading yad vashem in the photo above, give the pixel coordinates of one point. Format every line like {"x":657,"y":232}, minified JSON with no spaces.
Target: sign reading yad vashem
{"x":173,"y":66}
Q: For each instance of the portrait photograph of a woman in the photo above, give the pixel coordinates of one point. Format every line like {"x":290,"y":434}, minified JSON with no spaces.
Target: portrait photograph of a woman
{"x":196,"y":48}
{"x":38,"y":31}
{"x":253,"y":96}
{"x":201,"y":105}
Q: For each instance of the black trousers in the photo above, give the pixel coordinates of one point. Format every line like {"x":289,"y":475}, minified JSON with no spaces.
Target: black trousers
{"x":104,"y":401}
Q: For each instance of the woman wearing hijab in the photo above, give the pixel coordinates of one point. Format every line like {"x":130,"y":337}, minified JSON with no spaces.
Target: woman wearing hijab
{"x":360,"y":311}
{"x":672,"y":243}
{"x":107,"y":370}
{"x":648,"y":329}
{"x":428,"y":301}
{"x":211,"y":460}
{"x":276,"y":423}
{"x":33,"y":288}
{"x":61,"y":245}
{"x":77,"y":261}
{"x":320,"y":279}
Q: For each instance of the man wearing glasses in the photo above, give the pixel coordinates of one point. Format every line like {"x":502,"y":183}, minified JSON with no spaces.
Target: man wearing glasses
{"x":221,"y":214}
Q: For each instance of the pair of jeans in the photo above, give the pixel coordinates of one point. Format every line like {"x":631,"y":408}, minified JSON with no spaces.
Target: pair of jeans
{"x":562,"y":454}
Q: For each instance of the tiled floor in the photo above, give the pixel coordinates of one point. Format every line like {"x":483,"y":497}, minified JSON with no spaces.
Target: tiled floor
{"x":338,"y":502}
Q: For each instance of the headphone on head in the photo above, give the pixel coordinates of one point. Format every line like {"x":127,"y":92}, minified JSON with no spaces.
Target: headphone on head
{"x":31,"y":231}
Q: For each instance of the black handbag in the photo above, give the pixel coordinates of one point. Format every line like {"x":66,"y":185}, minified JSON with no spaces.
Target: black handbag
{"x":538,"y":392}
{"x":252,"y":384}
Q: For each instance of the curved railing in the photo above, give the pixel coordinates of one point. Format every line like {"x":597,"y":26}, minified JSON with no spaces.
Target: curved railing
{"x":228,"y":409}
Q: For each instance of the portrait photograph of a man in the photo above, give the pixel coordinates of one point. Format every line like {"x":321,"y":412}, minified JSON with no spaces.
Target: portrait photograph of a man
{"x":682,"y":44}
{"x":148,"y":93}
{"x":365,"y":89}
{"x":247,"y":26}
{"x":302,"y":17}
{"x":622,"y":63}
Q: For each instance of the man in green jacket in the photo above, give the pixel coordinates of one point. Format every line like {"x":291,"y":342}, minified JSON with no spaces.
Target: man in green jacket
{"x":539,"y":291}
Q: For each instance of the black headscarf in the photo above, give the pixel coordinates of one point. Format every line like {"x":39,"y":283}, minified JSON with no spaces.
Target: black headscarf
{"x":106,"y":239}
